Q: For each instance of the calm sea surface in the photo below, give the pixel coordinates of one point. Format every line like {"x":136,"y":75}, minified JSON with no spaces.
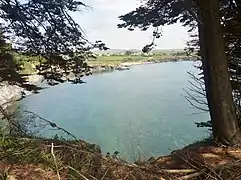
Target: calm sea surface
{"x":140,"y":113}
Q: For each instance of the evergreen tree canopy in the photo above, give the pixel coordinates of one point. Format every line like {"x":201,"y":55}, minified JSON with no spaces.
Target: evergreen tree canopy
{"x":45,"y":28}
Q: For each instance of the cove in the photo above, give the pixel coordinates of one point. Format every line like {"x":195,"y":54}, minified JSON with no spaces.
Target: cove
{"x":139,"y":113}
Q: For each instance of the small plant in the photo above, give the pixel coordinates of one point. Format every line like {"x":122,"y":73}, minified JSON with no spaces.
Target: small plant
{"x":3,"y":174}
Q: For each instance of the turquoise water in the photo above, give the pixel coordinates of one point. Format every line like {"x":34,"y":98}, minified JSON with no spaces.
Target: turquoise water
{"x":140,"y":113}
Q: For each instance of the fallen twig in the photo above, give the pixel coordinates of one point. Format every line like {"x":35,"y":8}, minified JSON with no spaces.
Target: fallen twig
{"x":189,"y":176}
{"x":52,"y":124}
{"x":85,"y":178}
{"x":103,"y":177}
{"x":129,"y":174}
{"x":179,"y":171}
{"x":55,"y":162}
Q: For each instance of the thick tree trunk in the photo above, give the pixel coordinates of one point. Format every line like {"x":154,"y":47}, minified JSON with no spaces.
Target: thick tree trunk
{"x":217,"y":81}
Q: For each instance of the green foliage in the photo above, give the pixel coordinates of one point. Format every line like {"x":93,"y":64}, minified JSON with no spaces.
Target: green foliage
{"x":8,"y":67}
{"x":3,"y":174}
{"x":128,"y":53}
{"x":156,"y":13}
{"x":45,"y":28}
{"x":206,"y":124}
{"x":24,"y":151}
{"x":179,"y":53}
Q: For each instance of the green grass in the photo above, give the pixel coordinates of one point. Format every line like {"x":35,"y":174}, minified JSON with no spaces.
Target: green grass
{"x":27,"y":63}
{"x":106,"y":60}
{"x":27,"y":68}
{"x":115,"y":60}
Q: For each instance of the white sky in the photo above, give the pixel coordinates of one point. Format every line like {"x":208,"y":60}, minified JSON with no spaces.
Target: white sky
{"x":100,"y":23}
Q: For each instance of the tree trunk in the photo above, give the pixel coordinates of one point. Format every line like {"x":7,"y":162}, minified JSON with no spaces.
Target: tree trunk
{"x":225,"y":125}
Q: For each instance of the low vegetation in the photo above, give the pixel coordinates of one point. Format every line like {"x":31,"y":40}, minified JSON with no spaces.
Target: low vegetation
{"x":34,"y":158}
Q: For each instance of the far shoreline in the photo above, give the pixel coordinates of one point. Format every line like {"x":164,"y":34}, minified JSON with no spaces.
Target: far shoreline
{"x":100,"y":68}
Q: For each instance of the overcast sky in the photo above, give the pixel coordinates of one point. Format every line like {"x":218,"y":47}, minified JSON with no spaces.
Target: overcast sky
{"x":100,"y":23}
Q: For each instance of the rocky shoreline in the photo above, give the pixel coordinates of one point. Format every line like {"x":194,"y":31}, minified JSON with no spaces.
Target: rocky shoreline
{"x":10,"y":93}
